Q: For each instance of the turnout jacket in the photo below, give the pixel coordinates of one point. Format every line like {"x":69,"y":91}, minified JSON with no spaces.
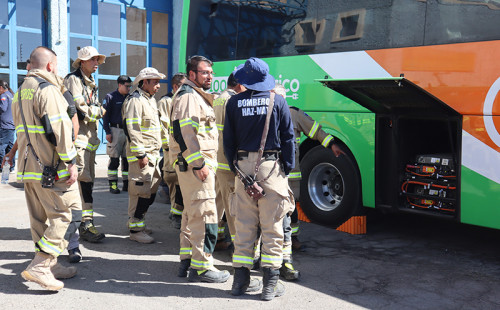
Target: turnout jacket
{"x":194,"y":131}
{"x":142,"y":126}
{"x":112,"y":103}
{"x":164,"y":108}
{"x":245,"y":118}
{"x":88,"y":108}
{"x":220,"y":115}
{"x":49,"y":126}
{"x":304,"y":123}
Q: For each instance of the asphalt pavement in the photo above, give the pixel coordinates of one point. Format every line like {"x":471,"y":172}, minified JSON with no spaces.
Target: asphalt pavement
{"x":403,"y":262}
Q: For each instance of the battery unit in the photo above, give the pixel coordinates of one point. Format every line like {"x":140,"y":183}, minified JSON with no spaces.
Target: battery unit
{"x":435,"y":166}
{"x":429,"y":183}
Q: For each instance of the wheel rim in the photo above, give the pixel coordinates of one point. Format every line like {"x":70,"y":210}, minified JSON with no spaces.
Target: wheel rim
{"x":326,"y":186}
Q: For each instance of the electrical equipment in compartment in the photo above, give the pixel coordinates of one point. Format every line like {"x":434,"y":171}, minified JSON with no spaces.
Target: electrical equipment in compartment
{"x":429,"y":184}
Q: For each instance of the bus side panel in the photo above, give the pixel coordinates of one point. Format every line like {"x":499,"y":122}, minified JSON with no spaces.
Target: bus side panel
{"x":338,"y":115}
{"x":480,"y":203}
{"x":357,"y":132}
{"x":297,"y":74}
{"x":480,"y":177}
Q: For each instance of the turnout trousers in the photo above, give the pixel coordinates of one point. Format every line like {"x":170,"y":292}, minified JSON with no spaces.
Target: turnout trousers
{"x":50,"y":215}
{"x":116,"y":150}
{"x":292,"y":225}
{"x":170,"y":178}
{"x":266,"y":213}
{"x":224,"y":186}
{"x":85,"y":162}
{"x":199,"y":219}
{"x":142,"y":191}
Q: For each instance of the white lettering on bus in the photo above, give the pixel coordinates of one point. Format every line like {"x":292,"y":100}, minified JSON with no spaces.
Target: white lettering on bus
{"x":290,"y":85}
{"x":492,"y":131}
{"x":219,"y":84}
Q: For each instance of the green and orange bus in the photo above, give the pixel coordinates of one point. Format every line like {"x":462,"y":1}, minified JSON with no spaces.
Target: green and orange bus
{"x":409,"y":89}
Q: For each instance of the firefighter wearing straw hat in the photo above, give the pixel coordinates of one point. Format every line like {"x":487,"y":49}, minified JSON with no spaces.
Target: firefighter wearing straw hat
{"x":142,"y":127}
{"x":84,"y":89}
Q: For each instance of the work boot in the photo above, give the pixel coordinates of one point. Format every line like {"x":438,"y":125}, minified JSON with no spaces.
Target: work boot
{"x":256,"y":263}
{"x":147,"y":230}
{"x":89,"y":233}
{"x":176,"y":221}
{"x":222,"y":245}
{"x":125,"y":186}
{"x":113,"y":187}
{"x":61,"y":272}
{"x":243,"y":283}
{"x":272,"y":286}
{"x":141,"y":237}
{"x":211,"y":276}
{"x":74,"y":255}
{"x":288,"y":272}
{"x":39,"y":272}
{"x":297,"y":245}
{"x":183,"y":268}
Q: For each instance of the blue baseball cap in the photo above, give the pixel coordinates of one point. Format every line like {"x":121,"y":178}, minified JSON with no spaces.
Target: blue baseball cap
{"x":254,"y":75}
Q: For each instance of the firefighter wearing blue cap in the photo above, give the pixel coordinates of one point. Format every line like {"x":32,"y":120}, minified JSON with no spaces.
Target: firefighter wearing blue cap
{"x":245,"y":120}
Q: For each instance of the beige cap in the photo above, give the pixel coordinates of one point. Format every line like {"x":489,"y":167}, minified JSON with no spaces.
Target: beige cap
{"x":85,"y":53}
{"x":148,"y":73}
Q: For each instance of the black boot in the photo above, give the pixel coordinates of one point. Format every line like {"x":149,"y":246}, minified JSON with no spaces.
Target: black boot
{"x":89,"y":233}
{"x":288,"y":272}
{"x":113,"y":187}
{"x":176,"y":221}
{"x":256,"y":263}
{"x":182,"y":272}
{"x":210,"y":276}
{"x":125,"y":186}
{"x":74,"y":255}
{"x":272,"y":286}
{"x":243,"y":283}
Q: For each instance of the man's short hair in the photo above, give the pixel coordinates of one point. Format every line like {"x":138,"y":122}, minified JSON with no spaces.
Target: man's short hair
{"x":122,"y":79}
{"x":37,"y":60}
{"x":44,"y":48}
{"x":231,"y":81}
{"x":192,"y":63}
{"x":177,"y":78}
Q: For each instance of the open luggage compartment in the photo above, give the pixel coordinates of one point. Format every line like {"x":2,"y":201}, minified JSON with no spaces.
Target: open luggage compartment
{"x":417,"y":145}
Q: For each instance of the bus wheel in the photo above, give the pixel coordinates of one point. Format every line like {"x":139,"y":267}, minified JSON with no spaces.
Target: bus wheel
{"x":330,"y":186}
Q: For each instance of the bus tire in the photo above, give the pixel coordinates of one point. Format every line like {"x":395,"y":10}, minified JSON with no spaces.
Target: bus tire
{"x":330,"y":187}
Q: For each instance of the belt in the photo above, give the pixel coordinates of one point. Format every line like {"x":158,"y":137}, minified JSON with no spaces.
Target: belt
{"x":116,"y":125}
{"x":267,"y":155}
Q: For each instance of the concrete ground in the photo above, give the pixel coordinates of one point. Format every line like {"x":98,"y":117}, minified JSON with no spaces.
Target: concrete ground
{"x":402,"y":263}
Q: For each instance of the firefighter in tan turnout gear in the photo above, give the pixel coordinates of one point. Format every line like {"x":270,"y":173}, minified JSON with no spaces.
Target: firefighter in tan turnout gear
{"x":142,"y":127}
{"x":302,"y":123}
{"x":193,"y":148}
{"x":83,"y":87}
{"x":224,"y":179}
{"x":169,"y":174}
{"x":44,"y":137}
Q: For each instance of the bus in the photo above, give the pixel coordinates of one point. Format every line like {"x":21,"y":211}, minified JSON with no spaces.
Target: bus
{"x":408,"y":88}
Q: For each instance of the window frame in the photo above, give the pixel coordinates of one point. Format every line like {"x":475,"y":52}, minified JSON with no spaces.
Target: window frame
{"x":13,"y":30}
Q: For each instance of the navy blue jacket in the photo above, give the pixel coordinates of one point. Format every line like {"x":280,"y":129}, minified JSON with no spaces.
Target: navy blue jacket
{"x":6,"y":120}
{"x":245,"y":118}
{"x":113,"y":105}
